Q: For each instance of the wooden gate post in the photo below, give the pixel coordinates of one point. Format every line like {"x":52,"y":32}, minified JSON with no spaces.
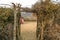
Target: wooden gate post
{"x":14,"y":28}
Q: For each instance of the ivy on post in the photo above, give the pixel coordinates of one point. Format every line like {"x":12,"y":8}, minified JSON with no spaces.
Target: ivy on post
{"x":40,"y":26}
{"x":47,"y":17}
{"x":41,"y":22}
{"x":18,"y":22}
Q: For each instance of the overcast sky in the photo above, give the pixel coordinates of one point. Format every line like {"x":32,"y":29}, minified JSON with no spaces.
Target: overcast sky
{"x":24,"y":3}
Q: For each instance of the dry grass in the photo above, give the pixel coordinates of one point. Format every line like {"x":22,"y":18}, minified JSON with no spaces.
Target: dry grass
{"x":28,"y":30}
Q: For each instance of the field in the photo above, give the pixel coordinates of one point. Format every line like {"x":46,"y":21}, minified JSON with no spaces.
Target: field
{"x":28,"y":30}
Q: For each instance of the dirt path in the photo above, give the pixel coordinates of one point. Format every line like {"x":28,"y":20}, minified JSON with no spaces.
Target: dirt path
{"x":28,"y":31}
